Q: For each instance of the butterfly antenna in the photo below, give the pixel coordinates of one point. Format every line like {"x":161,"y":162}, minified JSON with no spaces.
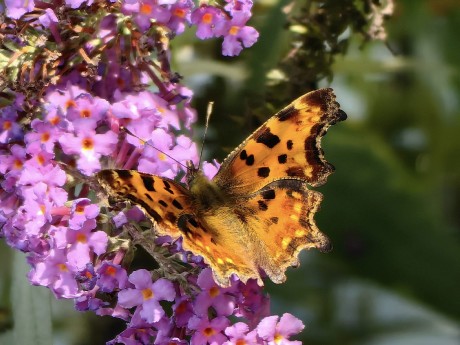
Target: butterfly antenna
{"x":208,"y":116}
{"x":126,"y":130}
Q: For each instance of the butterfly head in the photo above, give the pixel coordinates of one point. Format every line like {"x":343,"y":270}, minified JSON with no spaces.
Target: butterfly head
{"x":192,"y":172}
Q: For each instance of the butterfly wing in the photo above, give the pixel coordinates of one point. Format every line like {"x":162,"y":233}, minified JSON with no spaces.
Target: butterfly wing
{"x":287,"y":145}
{"x":280,"y":217}
{"x":163,"y":200}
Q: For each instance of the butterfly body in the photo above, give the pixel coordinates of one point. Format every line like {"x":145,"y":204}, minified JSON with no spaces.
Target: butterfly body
{"x":256,"y":214}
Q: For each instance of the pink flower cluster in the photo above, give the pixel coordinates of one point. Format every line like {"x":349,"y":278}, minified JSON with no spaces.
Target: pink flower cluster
{"x":228,"y":22}
{"x":49,"y":207}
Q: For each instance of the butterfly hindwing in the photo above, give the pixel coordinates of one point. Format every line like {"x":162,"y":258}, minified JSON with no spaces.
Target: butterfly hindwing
{"x":282,"y":220}
{"x":287,"y":145}
{"x":220,"y":249}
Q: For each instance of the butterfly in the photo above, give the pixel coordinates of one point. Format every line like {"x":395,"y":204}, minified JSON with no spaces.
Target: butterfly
{"x":256,"y":214}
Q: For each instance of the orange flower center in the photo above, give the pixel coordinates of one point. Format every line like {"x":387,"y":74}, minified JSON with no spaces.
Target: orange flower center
{"x":88,"y":275}
{"x":146,"y":9}
{"x":208,"y":331}
{"x":17,"y":164}
{"x":87,"y":144}
{"x":110,"y":271}
{"x":278,"y":338}
{"x":40,"y":159}
{"x":241,"y":342}
{"x":62,"y":267}
{"x":79,"y":209}
{"x":7,"y":125}
{"x":70,"y":104}
{"x":81,"y":238}
{"x":214,"y":291}
{"x":179,"y":12}
{"x":85,"y":113}
{"x":55,"y":120}
{"x":45,"y":137}
{"x":207,"y":18}
{"x":147,"y":293}
{"x":234,"y":30}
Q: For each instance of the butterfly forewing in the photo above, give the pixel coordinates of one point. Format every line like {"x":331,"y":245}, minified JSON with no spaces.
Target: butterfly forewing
{"x":162,"y":199}
{"x":287,"y":145}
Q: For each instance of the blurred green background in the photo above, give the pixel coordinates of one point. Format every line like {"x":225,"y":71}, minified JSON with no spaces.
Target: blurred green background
{"x":392,"y":206}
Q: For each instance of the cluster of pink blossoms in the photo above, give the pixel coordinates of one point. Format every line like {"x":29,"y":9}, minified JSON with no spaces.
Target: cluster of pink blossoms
{"x":211,"y":21}
{"x":48,"y":206}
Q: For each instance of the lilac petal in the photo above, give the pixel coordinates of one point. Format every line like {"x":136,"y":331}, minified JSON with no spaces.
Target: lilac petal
{"x":202,"y":303}
{"x":289,"y":325}
{"x":267,"y":327}
{"x":98,"y":241}
{"x":224,"y":304}
{"x":205,"y":279}
{"x":151,"y":311}
{"x":129,"y":298}
{"x":248,"y":35}
{"x":237,"y":330}
{"x":163,"y":290}
{"x":141,"y":279}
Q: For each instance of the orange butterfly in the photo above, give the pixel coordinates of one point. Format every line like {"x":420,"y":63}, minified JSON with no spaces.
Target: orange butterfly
{"x":257,"y":212}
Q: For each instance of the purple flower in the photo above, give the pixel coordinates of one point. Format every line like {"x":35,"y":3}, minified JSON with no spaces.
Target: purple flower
{"x":239,"y":334}
{"x":208,"y":332}
{"x":278,"y":333}
{"x":16,"y":8}
{"x":48,"y":18}
{"x":9,"y":127}
{"x":206,"y":18}
{"x":83,"y":242}
{"x":212,"y":296}
{"x":146,"y":295}
{"x":89,"y":146}
{"x":54,"y":271}
{"x":43,"y":137}
{"x":82,"y":210}
{"x":183,"y":311}
{"x":180,"y":15}
{"x":111,"y":277}
{"x":237,"y":34}
{"x":86,"y":277}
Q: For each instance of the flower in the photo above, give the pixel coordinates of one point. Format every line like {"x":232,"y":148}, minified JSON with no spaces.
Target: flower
{"x":145,"y":295}
{"x":208,"y":332}
{"x":276,"y":332}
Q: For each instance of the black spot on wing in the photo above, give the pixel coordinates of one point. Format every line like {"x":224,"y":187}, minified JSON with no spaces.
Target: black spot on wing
{"x":268,"y":194}
{"x":168,"y":187}
{"x":148,"y":183}
{"x":295,"y":172}
{"x":163,"y":203}
{"x":289,"y":145}
{"x":287,"y":113}
{"x":263,"y":172}
{"x":267,"y":138}
{"x":177,"y":204}
{"x":282,"y":158}
{"x":262,"y":205}
{"x":274,"y":220}
{"x":249,"y":159}
{"x":148,"y":196}
{"x":171,"y":217}
{"x":150,"y":211}
{"x":124,"y":174}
